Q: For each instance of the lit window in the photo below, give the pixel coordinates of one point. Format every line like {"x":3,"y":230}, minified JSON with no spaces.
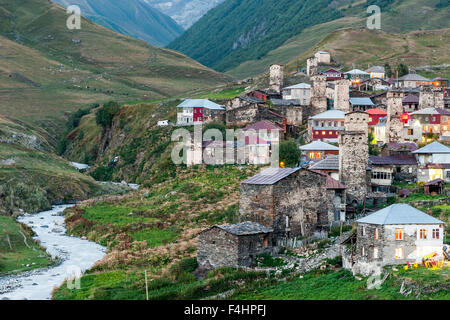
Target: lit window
{"x":422,"y":234}
{"x":323,"y":133}
{"x":311,"y":155}
{"x":376,"y":234}
{"x":363,"y":231}
{"x":318,"y":155}
{"x":363,"y":251}
{"x":399,"y":253}
{"x":435,"y":233}
{"x":398,"y":234}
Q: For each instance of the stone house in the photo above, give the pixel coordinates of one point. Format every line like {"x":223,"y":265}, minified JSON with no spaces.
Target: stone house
{"x":290,"y":109}
{"x":329,"y":166}
{"x":410,"y":103}
{"x":291,"y":201}
{"x":377,"y":72}
{"x":387,"y":169}
{"x":411,"y":80}
{"x":434,"y":162}
{"x":300,"y":92}
{"x":361,"y":104}
{"x":393,"y":236}
{"x":316,"y":151}
{"x":373,"y":84}
{"x":323,"y":57}
{"x":235,"y":245}
{"x":398,"y":149}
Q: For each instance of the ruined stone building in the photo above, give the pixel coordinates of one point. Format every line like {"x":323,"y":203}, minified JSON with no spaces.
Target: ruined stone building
{"x":394,"y":124}
{"x":431,"y":97}
{"x":342,"y":95}
{"x":393,"y":236}
{"x":319,"y":94}
{"x":241,"y":111}
{"x":234,"y":245}
{"x":291,"y":201}
{"x":276,"y":78}
{"x":354,"y":156}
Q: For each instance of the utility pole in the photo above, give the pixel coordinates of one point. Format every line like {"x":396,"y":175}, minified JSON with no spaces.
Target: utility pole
{"x":146,"y":284}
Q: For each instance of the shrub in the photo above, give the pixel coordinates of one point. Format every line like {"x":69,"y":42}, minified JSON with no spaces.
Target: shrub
{"x":105,"y":114}
{"x":266,"y":260}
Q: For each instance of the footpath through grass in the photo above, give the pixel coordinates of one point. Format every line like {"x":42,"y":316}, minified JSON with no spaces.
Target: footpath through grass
{"x":18,"y":251}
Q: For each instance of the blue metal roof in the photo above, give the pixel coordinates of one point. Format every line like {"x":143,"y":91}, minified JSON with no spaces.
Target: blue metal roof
{"x":399,"y":213}
{"x":361,"y":102}
{"x":434,"y":147}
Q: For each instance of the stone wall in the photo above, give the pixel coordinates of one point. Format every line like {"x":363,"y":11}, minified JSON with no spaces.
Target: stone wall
{"x":431,"y":97}
{"x":312,"y":65}
{"x":394,"y":124}
{"x":240,"y":112}
{"x":354,"y":156}
{"x":276,"y":77}
{"x":301,"y":197}
{"x":342,"y":95}
{"x":318,"y":94}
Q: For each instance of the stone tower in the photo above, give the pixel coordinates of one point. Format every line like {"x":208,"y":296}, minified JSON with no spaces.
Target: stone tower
{"x":319,"y":94}
{"x":431,"y":97}
{"x":312,"y":66}
{"x":394,"y":124}
{"x":276,"y":77}
{"x":354,"y":156}
{"x":342,"y":95}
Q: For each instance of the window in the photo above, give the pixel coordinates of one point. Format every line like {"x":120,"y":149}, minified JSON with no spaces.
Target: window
{"x":398,"y":234}
{"x":311,"y":155}
{"x":363,"y":231}
{"x":375,"y":253}
{"x":435,"y":233}
{"x":363,"y":251}
{"x":265,"y":241}
{"x":376,"y":235}
{"x":422,"y":234}
{"x":318,"y":155}
{"x":399,"y":253}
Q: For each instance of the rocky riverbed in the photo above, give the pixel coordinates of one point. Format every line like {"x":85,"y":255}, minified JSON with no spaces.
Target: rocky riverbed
{"x":75,"y":255}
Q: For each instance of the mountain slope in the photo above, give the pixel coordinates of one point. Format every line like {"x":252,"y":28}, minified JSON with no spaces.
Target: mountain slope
{"x":184,"y":12}
{"x":236,"y":31}
{"x":134,"y":18}
{"x":47,"y":70}
{"x":254,"y":59}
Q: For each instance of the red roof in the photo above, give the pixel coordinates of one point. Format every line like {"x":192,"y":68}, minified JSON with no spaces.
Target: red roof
{"x":262,"y":125}
{"x":376,"y":112}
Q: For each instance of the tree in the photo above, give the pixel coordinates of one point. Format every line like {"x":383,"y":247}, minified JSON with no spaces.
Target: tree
{"x":106,"y":113}
{"x":373,"y":149}
{"x":289,"y":153}
{"x":402,"y":70}
{"x":388,"y":70}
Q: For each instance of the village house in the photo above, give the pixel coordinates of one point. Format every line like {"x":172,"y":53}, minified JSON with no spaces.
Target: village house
{"x":411,"y":80}
{"x":431,"y":97}
{"x":356,"y":76}
{"x":300,"y":92}
{"x":266,"y":130}
{"x":410,"y":103}
{"x":236,"y":245}
{"x":292,"y":110}
{"x":291,"y":201}
{"x":373,"y":84}
{"x":329,"y":166}
{"x":326,"y":126}
{"x":333,"y":74}
{"x":198,"y":111}
{"x":440,"y":82}
{"x":398,"y":149}
{"x":376,"y":72}
{"x":323,"y":57}
{"x":393,"y":236}
{"x":434,"y":162}
{"x":389,"y":169}
{"x":316,"y":151}
{"x":377,"y":125}
{"x":432,"y":121}
{"x":361,"y":104}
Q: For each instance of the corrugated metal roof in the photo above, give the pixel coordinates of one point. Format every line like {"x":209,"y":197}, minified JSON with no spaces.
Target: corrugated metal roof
{"x":299,"y":86}
{"x":270,"y":176}
{"x":245,"y":228}
{"x":330,"y":114}
{"x":434,"y":147}
{"x":399,"y":213}
{"x":329,"y":163}
{"x":319,"y":146}
{"x":426,"y":111}
{"x":361,"y":102}
{"x":200,"y":103}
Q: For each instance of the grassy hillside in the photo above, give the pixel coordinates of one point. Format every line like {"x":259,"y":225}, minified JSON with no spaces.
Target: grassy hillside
{"x":47,"y":70}
{"x":359,"y":48}
{"x":18,"y":251}
{"x":254,"y":59}
{"x":134,"y":18}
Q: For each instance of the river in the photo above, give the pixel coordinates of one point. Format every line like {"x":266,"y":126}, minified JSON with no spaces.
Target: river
{"x":76,"y":255}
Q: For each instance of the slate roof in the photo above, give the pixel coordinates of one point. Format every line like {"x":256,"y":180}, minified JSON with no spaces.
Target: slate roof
{"x":329,"y":163}
{"x":319,"y":146}
{"x":200,"y":103}
{"x":262,"y":125}
{"x":393,"y":160}
{"x":434,"y":182}
{"x":330,"y":114}
{"x":285,"y":102}
{"x":361,"y":102}
{"x":411,"y":99}
{"x":399,"y":213}
{"x":443,"y":112}
{"x":434,"y":147}
{"x":244,"y":228}
{"x":299,"y":86}
{"x":401,"y":146}
{"x":413,"y":77}
{"x":270,"y":176}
